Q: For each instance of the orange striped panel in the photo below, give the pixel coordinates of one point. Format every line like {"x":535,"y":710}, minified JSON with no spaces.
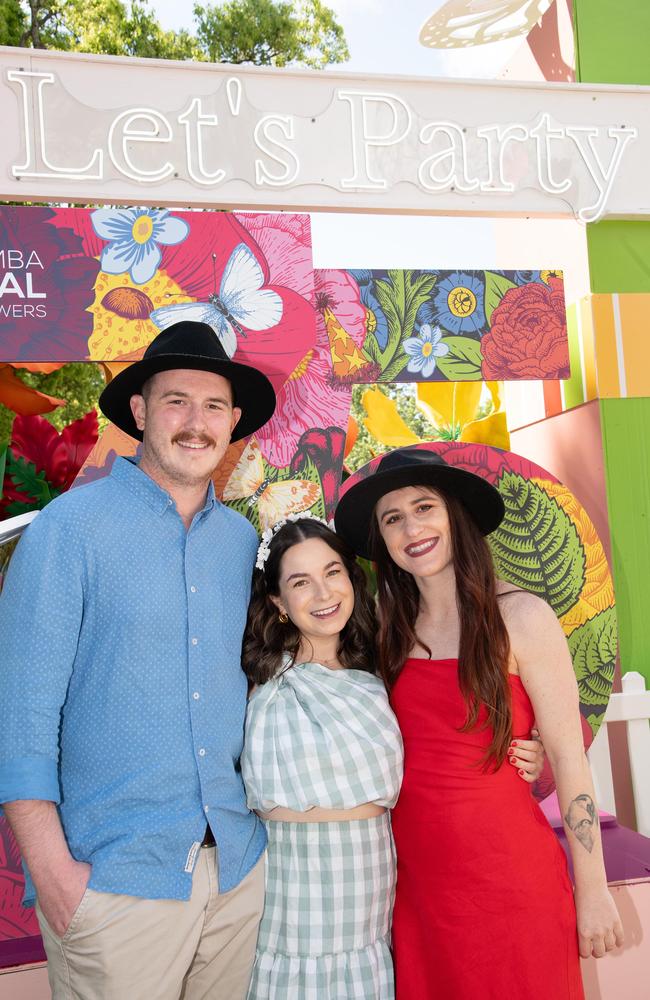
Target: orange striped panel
{"x":602,"y":308}
{"x":635,"y":323}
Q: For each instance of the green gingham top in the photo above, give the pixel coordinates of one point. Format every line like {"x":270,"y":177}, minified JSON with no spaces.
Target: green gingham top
{"x":321,"y":737}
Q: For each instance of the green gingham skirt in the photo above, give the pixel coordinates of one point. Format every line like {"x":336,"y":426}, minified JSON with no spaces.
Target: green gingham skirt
{"x":325,"y":930}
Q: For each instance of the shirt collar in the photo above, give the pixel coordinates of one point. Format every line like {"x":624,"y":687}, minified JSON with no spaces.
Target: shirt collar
{"x":127,"y":471}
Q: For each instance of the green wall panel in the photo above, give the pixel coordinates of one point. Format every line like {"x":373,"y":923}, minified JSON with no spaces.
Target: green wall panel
{"x":619,"y":255}
{"x":626,"y":445}
{"x":612,"y":41}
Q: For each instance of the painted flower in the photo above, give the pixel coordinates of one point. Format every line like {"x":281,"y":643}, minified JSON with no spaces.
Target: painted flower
{"x":376,"y":322}
{"x":16,"y":920}
{"x":528,"y":336}
{"x":55,"y":457}
{"x":21,"y":398}
{"x":458,"y":303}
{"x":424,"y":349}
{"x":134,"y":235}
{"x":325,"y":449}
{"x":312,"y":398}
{"x":57,"y":325}
{"x":192,"y":271}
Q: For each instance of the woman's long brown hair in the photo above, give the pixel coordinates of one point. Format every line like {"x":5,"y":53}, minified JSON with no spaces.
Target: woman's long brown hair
{"x":484,"y":643}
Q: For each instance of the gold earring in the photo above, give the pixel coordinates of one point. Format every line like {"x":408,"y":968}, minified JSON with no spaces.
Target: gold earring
{"x":283,"y":617}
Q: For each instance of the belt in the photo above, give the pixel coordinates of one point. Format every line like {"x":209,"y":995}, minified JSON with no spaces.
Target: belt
{"x":208,"y":839}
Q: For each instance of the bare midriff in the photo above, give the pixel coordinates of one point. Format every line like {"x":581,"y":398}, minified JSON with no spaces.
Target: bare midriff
{"x":317,"y":815}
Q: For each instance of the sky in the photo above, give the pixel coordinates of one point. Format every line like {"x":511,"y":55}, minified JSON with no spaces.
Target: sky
{"x":382,"y":37}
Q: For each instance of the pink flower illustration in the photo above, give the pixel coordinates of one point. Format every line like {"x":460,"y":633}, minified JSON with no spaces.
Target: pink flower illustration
{"x":311,"y":397}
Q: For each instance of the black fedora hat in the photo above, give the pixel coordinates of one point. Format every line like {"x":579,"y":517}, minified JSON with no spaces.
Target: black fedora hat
{"x":413,"y":466}
{"x":195,"y":346}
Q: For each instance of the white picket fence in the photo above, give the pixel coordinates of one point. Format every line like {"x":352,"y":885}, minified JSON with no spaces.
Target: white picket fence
{"x":631,"y":706}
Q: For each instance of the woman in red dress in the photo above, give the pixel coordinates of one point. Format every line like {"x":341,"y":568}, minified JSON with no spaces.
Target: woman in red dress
{"x":484,"y":908}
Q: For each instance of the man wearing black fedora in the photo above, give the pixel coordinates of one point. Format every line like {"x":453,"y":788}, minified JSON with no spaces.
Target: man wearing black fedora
{"x":124,"y":706}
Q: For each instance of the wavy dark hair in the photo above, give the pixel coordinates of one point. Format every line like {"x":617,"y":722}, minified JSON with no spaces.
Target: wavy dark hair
{"x":484,"y":649}
{"x":266,"y":639}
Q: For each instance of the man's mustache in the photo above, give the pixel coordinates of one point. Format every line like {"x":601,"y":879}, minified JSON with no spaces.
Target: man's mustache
{"x":194,"y":439}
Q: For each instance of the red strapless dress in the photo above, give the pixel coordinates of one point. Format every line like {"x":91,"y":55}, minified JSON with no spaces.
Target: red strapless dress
{"x":484,"y":907}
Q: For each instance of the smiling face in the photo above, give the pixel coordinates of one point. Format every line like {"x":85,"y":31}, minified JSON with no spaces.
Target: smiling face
{"x":187,"y":418}
{"x":414,"y":524}
{"x":316,"y":592}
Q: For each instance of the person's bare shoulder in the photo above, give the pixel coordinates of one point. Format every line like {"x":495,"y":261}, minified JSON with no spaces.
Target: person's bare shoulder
{"x":523,"y":610}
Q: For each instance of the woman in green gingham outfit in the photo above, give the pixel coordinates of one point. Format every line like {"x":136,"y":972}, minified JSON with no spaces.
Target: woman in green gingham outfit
{"x":322,"y":763}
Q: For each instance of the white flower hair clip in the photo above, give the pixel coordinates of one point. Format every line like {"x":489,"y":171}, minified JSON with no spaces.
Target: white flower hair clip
{"x":267,"y":535}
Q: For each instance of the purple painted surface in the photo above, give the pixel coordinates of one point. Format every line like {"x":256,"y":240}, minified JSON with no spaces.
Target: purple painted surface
{"x":21,"y":951}
{"x":626,"y":852}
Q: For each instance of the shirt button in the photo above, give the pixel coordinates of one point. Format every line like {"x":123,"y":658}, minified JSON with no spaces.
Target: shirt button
{"x":194,"y":642}
{"x":206,"y":809}
{"x":202,"y":752}
{"x":196,"y":696}
{"x":193,"y":589}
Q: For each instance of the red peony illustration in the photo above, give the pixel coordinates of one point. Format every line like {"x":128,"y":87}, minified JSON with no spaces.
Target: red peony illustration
{"x":528,"y":334}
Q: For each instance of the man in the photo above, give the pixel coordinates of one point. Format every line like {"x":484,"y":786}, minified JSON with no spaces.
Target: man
{"x":123,"y":698}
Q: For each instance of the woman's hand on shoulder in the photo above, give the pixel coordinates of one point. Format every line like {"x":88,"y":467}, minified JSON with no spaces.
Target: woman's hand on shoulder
{"x":528,"y":757}
{"x":599,"y":925}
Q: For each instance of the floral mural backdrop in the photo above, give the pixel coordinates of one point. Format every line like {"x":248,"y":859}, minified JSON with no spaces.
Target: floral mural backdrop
{"x":96,"y":286}
{"x":446,"y":326}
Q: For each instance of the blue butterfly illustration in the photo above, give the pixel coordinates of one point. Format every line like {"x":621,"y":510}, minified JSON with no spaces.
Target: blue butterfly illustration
{"x":242,"y":303}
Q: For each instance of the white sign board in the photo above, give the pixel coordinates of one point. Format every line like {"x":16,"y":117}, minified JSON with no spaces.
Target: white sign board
{"x":98,"y":128}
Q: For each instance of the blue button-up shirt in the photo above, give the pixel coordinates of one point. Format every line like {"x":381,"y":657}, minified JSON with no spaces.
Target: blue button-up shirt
{"x":121,"y":691}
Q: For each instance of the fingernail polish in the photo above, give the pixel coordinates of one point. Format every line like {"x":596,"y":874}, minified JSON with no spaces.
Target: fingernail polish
{"x":514,"y":744}
{"x":521,"y":774}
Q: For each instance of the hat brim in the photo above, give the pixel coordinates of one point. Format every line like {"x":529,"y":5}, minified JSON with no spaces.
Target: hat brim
{"x":252,"y":391}
{"x":356,"y":507}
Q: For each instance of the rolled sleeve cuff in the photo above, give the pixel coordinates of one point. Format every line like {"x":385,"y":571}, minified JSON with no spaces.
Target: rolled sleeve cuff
{"x":29,"y":778}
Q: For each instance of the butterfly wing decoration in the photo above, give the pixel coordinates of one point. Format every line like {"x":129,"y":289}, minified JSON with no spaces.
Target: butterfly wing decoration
{"x":243,"y":295}
{"x":242,"y":300}
{"x":275,"y":500}
{"x":460,"y":23}
{"x":198,"y":312}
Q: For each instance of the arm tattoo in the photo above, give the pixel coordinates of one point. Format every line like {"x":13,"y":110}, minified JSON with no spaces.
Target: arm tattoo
{"x":582,"y":819}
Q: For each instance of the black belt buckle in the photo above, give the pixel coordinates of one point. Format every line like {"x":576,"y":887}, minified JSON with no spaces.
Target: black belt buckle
{"x":208,"y":839}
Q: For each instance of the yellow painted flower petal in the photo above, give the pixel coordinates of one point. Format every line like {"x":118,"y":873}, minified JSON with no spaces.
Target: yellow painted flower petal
{"x":384,"y":422}
{"x":489,"y":430}
{"x":495,"y":388}
{"x":436,"y":401}
{"x":449,"y":403}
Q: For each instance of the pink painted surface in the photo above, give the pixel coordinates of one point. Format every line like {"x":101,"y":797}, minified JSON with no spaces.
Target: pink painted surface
{"x":623,"y":974}
{"x":551,"y":444}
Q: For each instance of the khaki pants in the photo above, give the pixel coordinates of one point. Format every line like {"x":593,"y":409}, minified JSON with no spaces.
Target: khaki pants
{"x":128,"y":948}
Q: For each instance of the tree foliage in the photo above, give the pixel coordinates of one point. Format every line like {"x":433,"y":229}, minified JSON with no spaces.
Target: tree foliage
{"x":269,"y":33}
{"x":79,"y":384}
{"x":263,"y":32}
{"x":13,"y":22}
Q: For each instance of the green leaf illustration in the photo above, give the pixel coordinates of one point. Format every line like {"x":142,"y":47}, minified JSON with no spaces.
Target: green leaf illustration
{"x":463,"y":362}
{"x":400,"y":296}
{"x":496,"y":287}
{"x":536,"y":546}
{"x":24,"y":476}
{"x":593,"y":650}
